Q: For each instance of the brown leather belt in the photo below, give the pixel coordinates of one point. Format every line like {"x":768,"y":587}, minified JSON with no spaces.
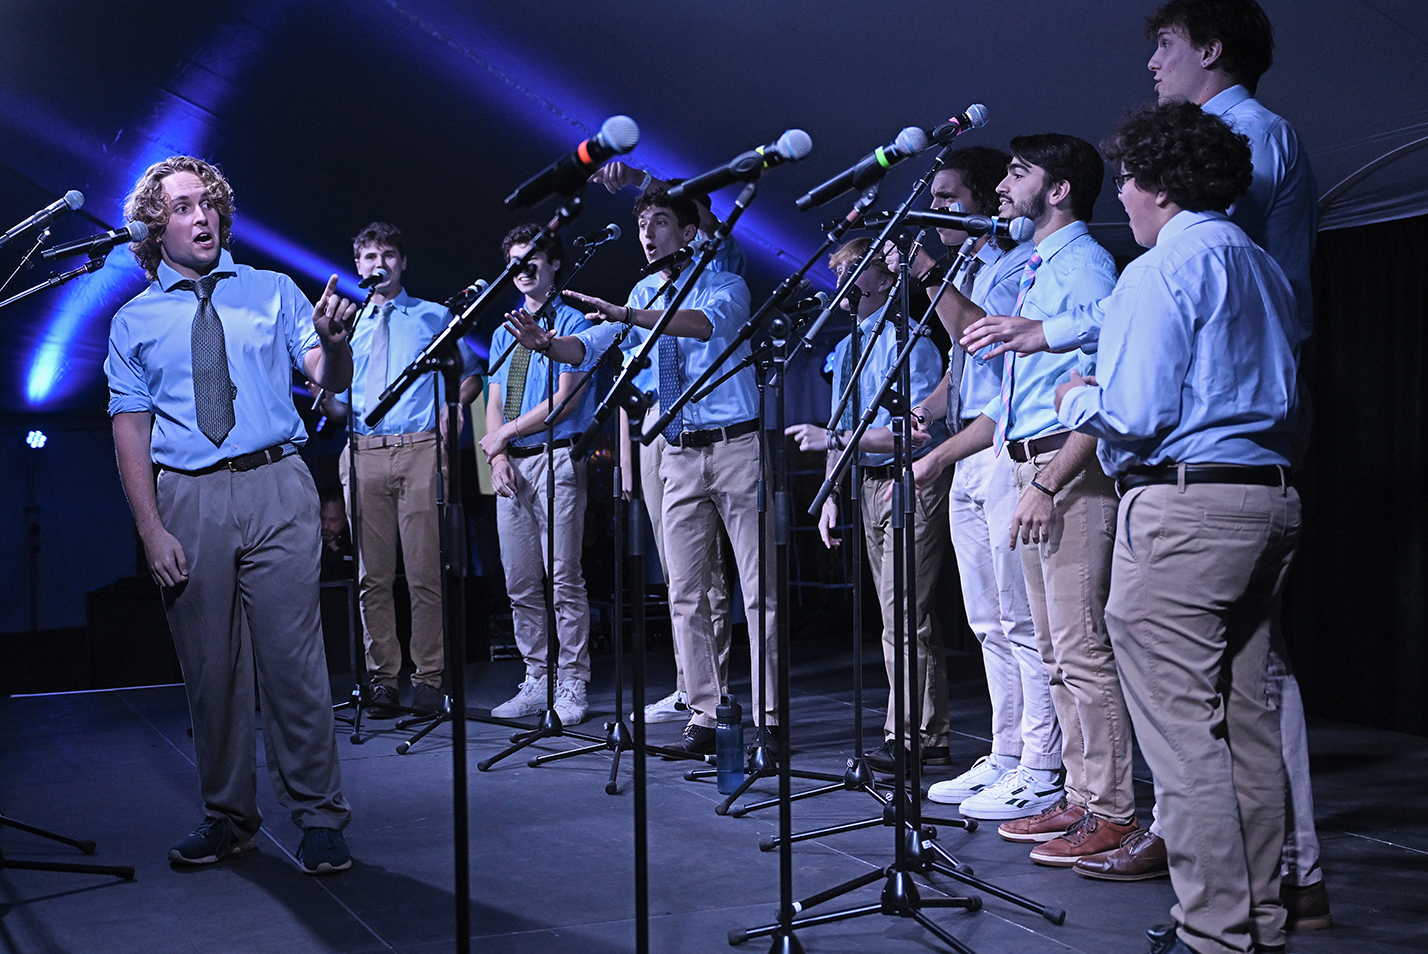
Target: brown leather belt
{"x":1023,"y":451}
{"x":715,"y":434}
{"x":1271,"y":475}
{"x":530,"y":450}
{"x":268,"y":455}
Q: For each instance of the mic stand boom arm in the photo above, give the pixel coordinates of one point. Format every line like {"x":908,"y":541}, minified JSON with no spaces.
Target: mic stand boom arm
{"x":873,"y":249}
{"x":751,"y":327}
{"x":95,"y":263}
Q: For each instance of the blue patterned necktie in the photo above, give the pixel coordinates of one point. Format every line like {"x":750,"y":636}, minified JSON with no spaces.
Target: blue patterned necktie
{"x":669,"y":388}
{"x":213,"y":390}
{"x":1028,"y":278}
{"x":957,"y":364}
{"x":855,"y":347}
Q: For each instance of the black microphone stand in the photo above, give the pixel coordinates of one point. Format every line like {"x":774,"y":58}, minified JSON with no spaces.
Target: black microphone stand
{"x":442,"y":354}
{"x":95,"y":263}
{"x":916,"y":848}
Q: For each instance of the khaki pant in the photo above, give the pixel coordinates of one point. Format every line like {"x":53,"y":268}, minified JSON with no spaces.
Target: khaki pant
{"x":521,"y":524}
{"x":396,"y":505}
{"x":1067,"y":581}
{"x":980,"y":505}
{"x":248,"y":612}
{"x":652,"y":490}
{"x":704,"y":487}
{"x":930,"y":538}
{"x":1194,"y":601}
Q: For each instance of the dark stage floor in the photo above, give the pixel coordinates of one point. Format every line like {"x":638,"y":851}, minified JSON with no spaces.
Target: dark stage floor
{"x":552,"y":856}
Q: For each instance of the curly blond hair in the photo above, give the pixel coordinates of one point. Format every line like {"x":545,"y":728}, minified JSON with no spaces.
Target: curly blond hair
{"x":148,"y":203}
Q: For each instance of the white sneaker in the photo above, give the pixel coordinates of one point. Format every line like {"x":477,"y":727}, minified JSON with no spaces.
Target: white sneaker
{"x":570,"y":702}
{"x":672,"y":708}
{"x":984,"y":772}
{"x":1019,"y":793}
{"x":529,"y":701}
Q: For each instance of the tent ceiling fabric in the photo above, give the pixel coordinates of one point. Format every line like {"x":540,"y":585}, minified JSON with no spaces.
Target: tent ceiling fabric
{"x":428,"y":112}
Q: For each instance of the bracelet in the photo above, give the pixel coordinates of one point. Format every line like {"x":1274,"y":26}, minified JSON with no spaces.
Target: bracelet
{"x":645,"y":183}
{"x":1049,"y":493}
{"x":629,"y":315}
{"x":835,"y":439}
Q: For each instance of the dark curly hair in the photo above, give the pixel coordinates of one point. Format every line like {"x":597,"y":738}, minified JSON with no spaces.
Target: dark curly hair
{"x":1066,"y":159}
{"x":1183,"y":151}
{"x":522,"y":234}
{"x":148,"y":203}
{"x":1245,"y":34}
{"x":379,"y":235}
{"x":686,"y":212}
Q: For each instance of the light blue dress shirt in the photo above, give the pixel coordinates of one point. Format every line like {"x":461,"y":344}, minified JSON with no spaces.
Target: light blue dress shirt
{"x":1074,"y":271}
{"x":1197,"y":363}
{"x":412,"y":325}
{"x":267,"y":329}
{"x":994,"y":290}
{"x":1280,"y":213}
{"x":925,"y":370}
{"x":724,"y":299}
{"x":568,"y":321}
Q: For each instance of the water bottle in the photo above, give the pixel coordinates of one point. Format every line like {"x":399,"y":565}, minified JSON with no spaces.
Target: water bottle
{"x":728,"y":745}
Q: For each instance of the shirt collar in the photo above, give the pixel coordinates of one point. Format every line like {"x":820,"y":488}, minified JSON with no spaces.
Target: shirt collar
{"x":1182,"y":220}
{"x":168,"y":277}
{"x":1226,"y":100}
{"x":867,"y":325}
{"x":1061,"y":238}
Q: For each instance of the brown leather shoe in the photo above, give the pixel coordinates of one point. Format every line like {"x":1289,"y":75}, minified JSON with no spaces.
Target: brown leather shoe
{"x":1050,"y":824}
{"x":1307,"y":908}
{"x":1089,"y":836}
{"x":1140,"y":857}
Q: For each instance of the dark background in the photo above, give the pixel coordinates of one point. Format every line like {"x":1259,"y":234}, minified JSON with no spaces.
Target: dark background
{"x":428,"y":112}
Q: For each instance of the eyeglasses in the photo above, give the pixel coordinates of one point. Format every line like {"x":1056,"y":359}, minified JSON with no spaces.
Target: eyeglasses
{"x":1121,"y":180}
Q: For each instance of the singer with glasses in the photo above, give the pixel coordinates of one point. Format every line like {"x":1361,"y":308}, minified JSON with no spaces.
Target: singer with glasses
{"x":515,"y":444}
{"x":394,"y":499}
{"x":200,"y":387}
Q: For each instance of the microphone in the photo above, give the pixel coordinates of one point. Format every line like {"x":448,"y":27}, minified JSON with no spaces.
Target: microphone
{"x":378,"y":276}
{"x":974,"y":118}
{"x":467,"y":295}
{"x":617,"y":136}
{"x":71,"y":200}
{"x":867,"y":170}
{"x":792,"y":146}
{"x":1018,"y":229}
{"x":101,"y":243}
{"x":673,"y":258}
{"x":608,"y":234}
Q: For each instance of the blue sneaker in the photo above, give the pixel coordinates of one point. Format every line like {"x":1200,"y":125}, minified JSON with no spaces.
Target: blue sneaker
{"x":210,"y":841}
{"x":323,"y":851}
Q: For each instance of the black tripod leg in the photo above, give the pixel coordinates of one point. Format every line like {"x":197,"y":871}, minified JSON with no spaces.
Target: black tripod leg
{"x":770,"y":842}
{"x":125,"y":872}
{"x":1053,"y":914}
{"x":739,"y":811}
{"x":405,"y":746}
{"x":540,"y":760}
{"x":738,"y":936}
{"x":83,"y":844}
{"x":939,"y":932}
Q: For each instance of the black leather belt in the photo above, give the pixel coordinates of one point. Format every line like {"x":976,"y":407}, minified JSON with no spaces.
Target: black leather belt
{"x":883,"y":472}
{"x":1268,"y":476}
{"x":1023,"y":451}
{"x":530,"y":450}
{"x":268,"y":455}
{"x":715,"y":434}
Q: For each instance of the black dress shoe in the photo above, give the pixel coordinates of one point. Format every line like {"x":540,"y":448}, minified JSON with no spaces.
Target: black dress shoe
{"x":428,"y":699}
{"x":697,"y":740}
{"x":883,"y":758}
{"x":385,"y":703}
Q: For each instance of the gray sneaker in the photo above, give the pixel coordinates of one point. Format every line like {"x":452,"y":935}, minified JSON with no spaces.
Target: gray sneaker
{"x":529,"y":701}
{"x":210,"y":841}
{"x":570,"y":702}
